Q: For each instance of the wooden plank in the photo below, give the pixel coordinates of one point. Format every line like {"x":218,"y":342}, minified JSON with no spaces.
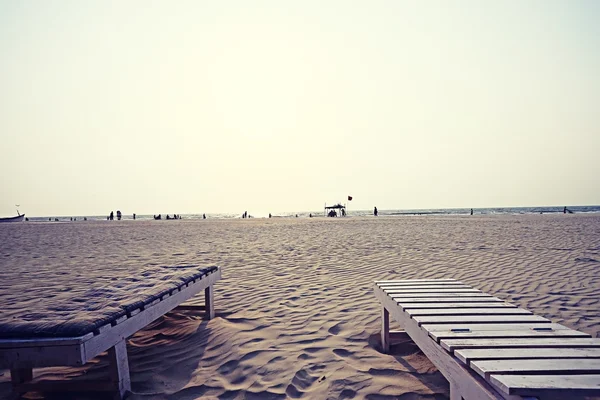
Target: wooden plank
{"x":428,"y":287}
{"x":546,"y":367}
{"x":209,"y":302}
{"x":481,"y":319}
{"x":431,"y":291}
{"x":494,"y":327}
{"x":413,"y":312}
{"x":42,"y":356}
{"x":536,"y":385}
{"x":100,"y":343}
{"x":440,"y":296}
{"x":506,"y":334}
{"x":467,"y":355}
{"x":445,"y":299}
{"x":119,"y":368}
{"x":385,"y":330}
{"x":408,"y":306}
{"x":415,"y":280}
{"x":471,"y":386}
{"x":19,"y":343}
{"x":455,"y":344}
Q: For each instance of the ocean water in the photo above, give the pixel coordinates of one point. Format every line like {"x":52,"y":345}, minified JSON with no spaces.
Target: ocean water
{"x":352,"y":213}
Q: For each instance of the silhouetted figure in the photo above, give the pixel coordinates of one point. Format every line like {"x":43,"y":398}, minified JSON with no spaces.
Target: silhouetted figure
{"x":471,"y":211}
{"x":375,"y":211}
{"x":50,"y":219}
{"x":134,"y":216}
{"x":269,"y":215}
{"x":26,"y":219}
{"x":85,"y":218}
{"x":111,"y":216}
{"x":296,"y":215}
{"x":118,"y":215}
{"x":309,"y":215}
{"x":343,"y":212}
{"x":565,"y":210}
{"x":203,"y":216}
{"x":71,"y":219}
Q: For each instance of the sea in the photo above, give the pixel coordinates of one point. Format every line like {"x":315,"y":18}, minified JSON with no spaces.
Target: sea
{"x":350,"y":213}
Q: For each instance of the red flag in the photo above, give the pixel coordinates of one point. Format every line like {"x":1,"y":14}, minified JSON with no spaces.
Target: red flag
{"x":349,"y":198}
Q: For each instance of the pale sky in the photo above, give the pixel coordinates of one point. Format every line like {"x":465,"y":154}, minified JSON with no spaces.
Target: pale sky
{"x":266,"y":106}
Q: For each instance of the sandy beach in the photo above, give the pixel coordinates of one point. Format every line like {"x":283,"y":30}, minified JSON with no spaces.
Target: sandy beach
{"x":296,"y":315}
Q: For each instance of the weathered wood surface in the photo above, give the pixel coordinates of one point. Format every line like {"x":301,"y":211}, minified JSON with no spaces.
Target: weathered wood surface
{"x":446,"y":299}
{"x":478,"y":319}
{"x":468,"y":355}
{"x":494,"y":327}
{"x":408,"y":306}
{"x":414,"y":280}
{"x":557,"y":366}
{"x":431,"y":291}
{"x":429,"y":286}
{"x":466,"y":311}
{"x":532,"y":385}
{"x":469,"y":385}
{"x":506,"y":334}
{"x":493,"y":339}
{"x":455,"y":344}
{"x":436,"y":296}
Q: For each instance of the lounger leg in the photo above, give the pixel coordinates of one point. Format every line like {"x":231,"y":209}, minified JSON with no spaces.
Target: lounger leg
{"x":455,"y":392}
{"x":385,"y":330}
{"x":209,"y":301}
{"x":119,"y":368}
{"x":21,"y":375}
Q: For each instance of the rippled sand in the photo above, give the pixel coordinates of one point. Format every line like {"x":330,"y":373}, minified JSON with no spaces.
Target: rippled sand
{"x":296,"y":316}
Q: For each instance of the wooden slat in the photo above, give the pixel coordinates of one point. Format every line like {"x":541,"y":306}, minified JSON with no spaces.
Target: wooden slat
{"x":494,"y":327}
{"x":445,"y":299}
{"x":428,"y":287}
{"x":408,"y":306}
{"x":467,"y":355}
{"x":436,"y":296}
{"x":506,"y":334}
{"x":455,"y":344}
{"x":467,"y":311}
{"x":481,"y":319}
{"x":431,"y":291}
{"x":559,"y":366}
{"x":415,"y":280}
{"x":536,"y":384}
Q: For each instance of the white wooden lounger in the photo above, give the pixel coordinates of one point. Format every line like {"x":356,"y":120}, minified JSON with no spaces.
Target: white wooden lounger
{"x":488,"y":348}
{"x":22,"y":355}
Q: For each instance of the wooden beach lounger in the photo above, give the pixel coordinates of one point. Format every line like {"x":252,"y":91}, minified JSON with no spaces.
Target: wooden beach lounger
{"x":21,"y":355}
{"x":488,"y":348}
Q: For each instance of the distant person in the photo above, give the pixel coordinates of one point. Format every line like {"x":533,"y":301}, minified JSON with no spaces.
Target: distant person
{"x":203,"y":216}
{"x":471,"y":211}
{"x":310,"y":215}
{"x":85,"y":218}
{"x":50,"y":219}
{"x":296,"y":215}
{"x":26,"y":219}
{"x":118,"y":215}
{"x":71,"y":219}
{"x":375,"y":211}
{"x":565,"y":210}
{"x":112,"y":216}
{"x":269,"y":215}
{"x":343,"y":212}
{"x":134,"y":216}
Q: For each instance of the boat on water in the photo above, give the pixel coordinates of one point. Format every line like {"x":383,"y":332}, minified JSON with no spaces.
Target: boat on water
{"x":18,"y":218}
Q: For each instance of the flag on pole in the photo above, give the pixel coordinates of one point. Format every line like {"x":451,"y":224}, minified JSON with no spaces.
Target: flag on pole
{"x":349,"y":198}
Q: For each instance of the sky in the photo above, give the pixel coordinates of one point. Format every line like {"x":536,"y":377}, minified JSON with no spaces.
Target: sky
{"x":195,"y":106}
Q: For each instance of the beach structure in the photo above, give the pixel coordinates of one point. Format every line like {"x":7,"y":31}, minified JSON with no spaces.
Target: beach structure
{"x":25,"y":344}
{"x":332,"y":211}
{"x":488,"y":348}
